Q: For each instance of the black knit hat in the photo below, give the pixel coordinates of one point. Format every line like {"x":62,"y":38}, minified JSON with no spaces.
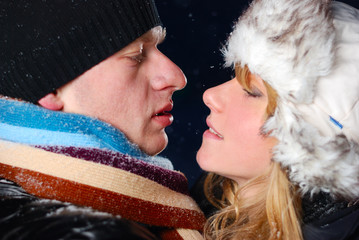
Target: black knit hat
{"x":44,"y":44}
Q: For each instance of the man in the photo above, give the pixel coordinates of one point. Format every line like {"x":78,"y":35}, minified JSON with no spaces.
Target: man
{"x":86,"y":98}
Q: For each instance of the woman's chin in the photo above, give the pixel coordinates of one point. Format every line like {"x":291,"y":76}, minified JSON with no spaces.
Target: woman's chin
{"x":202,"y":158}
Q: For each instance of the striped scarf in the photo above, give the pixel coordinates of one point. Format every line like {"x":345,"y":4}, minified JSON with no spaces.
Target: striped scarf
{"x":81,"y":160}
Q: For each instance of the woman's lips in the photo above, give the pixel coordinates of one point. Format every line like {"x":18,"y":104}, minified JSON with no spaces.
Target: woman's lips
{"x":211,"y":132}
{"x":215,"y":133}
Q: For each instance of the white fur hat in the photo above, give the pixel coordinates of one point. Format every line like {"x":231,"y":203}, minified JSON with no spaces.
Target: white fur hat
{"x":308,"y":51}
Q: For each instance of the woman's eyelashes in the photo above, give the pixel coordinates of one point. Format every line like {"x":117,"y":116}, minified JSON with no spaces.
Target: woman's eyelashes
{"x":253,"y":92}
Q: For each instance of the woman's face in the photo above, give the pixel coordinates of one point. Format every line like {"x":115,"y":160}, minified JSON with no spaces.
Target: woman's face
{"x":233,"y":146}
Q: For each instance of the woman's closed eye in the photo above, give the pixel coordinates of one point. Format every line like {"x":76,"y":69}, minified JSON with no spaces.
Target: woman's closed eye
{"x":253,"y":92}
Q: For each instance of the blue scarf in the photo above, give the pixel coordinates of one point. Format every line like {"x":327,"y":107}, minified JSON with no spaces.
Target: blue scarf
{"x":29,"y":124}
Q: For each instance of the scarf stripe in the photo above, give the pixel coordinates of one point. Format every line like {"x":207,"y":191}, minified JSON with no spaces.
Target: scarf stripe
{"x":14,"y":133}
{"x":171,"y":179}
{"x":102,"y":200}
{"x":92,"y":174}
{"x":188,"y":234}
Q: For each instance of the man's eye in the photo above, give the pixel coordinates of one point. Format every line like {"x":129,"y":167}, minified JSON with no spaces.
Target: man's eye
{"x":138,"y":58}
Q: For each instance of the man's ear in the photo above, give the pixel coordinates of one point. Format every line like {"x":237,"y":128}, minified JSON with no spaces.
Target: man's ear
{"x":52,"y":102}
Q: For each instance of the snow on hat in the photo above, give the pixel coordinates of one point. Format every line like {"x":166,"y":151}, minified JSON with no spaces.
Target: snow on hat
{"x":308,"y":51}
{"x":45,"y":44}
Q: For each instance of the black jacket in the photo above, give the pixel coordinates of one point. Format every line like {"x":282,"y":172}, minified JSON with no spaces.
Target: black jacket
{"x":326,"y":219}
{"x":25,"y":217}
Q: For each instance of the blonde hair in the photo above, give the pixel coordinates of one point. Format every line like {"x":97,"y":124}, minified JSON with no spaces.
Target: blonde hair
{"x":272,"y":213}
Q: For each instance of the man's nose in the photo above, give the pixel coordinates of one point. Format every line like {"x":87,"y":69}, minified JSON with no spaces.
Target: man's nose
{"x":169,"y":75}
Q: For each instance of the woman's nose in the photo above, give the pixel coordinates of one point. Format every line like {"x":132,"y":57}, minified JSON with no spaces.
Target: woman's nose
{"x":216,"y":97}
{"x":212,"y":98}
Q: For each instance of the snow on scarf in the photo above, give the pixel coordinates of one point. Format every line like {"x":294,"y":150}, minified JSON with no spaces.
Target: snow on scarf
{"x":78,"y":159}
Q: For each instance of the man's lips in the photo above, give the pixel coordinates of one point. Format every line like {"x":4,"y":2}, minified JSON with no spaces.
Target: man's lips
{"x":163,"y":115}
{"x":164,"y":110}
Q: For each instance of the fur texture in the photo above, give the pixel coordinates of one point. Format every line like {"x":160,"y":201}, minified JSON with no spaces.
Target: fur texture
{"x":299,"y":48}
{"x":283,"y":43}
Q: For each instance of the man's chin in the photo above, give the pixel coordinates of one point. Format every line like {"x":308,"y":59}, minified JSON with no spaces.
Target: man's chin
{"x":155,"y":145}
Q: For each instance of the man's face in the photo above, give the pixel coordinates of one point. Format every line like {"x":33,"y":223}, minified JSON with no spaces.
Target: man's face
{"x":132,"y":90}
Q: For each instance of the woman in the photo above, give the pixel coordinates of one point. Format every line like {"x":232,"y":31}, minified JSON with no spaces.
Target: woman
{"x":282,"y":145}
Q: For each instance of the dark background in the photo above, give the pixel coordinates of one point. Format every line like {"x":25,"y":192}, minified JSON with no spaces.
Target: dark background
{"x":196,"y":31}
